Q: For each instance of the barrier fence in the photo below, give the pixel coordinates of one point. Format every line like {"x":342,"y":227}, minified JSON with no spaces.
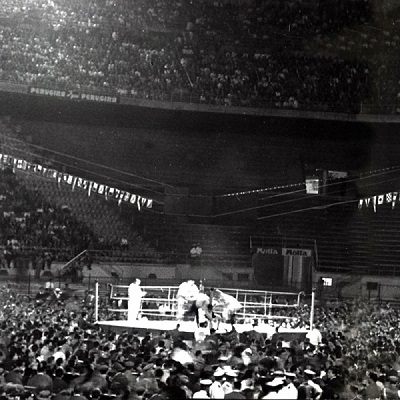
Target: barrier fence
{"x":193,"y":97}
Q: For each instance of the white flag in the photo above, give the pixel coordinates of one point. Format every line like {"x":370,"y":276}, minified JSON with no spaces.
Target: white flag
{"x":133,"y":199}
{"x":90,"y":188}
{"x":394,"y":198}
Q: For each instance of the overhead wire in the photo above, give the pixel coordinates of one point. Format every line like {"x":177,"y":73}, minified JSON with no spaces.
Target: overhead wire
{"x":305,"y":209}
{"x":306,"y":196}
{"x":324,"y":206}
{"x":88,"y":162}
{"x":274,"y":188}
{"x":126,"y":183}
{"x":372,"y":175}
{"x":321,"y":195}
{"x":268,"y":205}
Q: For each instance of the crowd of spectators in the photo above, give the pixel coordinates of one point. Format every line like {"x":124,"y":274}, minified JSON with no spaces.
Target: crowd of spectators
{"x":34,"y":228}
{"x":28,"y":223}
{"x":52,"y":349}
{"x":224,"y":52}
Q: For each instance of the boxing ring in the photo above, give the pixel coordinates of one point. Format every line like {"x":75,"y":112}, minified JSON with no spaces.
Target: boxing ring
{"x":261,"y":311}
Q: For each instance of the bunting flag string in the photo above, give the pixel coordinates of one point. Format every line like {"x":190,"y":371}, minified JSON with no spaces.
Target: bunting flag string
{"x":387,"y":198}
{"x":292,"y":185}
{"x":76,"y":182}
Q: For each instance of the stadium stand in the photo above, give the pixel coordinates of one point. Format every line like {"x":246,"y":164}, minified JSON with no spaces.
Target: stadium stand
{"x":164,"y":52}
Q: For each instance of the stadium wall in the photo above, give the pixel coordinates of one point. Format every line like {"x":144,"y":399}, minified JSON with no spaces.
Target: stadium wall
{"x":150,"y":274}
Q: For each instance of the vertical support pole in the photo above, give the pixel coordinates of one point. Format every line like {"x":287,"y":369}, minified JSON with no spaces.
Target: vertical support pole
{"x":265,"y":303}
{"x":96,"y":304}
{"x":312,"y":309}
{"x":244,"y":305}
{"x":270,"y":306}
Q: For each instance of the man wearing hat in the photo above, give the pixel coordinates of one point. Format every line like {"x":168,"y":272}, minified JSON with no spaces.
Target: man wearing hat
{"x":290,"y":390}
{"x":309,"y":389}
{"x":44,"y":395}
{"x":230,"y":376}
{"x":203,"y":393}
{"x":222,"y":360}
{"x":119,"y":381}
{"x":129,"y":373}
{"x":14,"y":376}
{"x":391,"y":390}
{"x":216,"y":391}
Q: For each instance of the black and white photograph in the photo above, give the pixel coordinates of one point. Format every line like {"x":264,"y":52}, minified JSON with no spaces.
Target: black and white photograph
{"x":199,"y":199}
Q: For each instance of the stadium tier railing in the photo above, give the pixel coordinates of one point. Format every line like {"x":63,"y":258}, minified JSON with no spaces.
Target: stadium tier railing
{"x":63,"y":254}
{"x":195,"y":97}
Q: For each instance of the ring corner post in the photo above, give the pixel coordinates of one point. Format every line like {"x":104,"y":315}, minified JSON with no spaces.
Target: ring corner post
{"x":96,"y":305}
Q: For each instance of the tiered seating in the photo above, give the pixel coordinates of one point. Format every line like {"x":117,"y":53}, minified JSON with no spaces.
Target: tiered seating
{"x":348,"y":240}
{"x":28,"y":221}
{"x":380,"y":237}
{"x":91,"y":210}
{"x":102,"y":222}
